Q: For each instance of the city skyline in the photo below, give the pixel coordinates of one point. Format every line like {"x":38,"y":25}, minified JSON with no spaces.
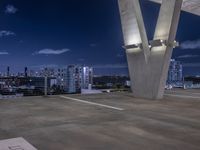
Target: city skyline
{"x":36,"y":34}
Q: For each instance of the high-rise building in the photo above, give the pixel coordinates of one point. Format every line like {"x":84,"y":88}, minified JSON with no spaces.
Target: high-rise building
{"x":61,"y":73}
{"x":73,"y":78}
{"x":175,"y":73}
{"x":87,"y":77}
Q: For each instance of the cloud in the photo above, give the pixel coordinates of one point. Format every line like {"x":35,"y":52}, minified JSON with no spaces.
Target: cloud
{"x":5,"y":33}
{"x":191,"y":44}
{"x":4,"y":53}
{"x":10,"y":9}
{"x":51,"y":51}
{"x":188,"y":56}
{"x":191,"y":65}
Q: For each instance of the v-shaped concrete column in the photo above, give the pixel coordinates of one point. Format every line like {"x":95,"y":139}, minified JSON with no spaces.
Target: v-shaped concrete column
{"x":148,"y":62}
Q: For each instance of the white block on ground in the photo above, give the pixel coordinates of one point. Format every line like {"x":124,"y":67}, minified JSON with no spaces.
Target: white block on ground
{"x":15,"y":144}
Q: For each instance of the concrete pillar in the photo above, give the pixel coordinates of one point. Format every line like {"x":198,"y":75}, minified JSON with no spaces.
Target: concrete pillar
{"x":148,"y":64}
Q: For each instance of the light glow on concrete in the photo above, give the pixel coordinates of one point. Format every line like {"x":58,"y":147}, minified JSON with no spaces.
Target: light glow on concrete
{"x":133,"y":25}
{"x":159,"y":48}
{"x":134,"y":50}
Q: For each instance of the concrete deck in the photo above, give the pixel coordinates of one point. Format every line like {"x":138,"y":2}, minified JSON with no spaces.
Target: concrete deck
{"x":56,"y":123}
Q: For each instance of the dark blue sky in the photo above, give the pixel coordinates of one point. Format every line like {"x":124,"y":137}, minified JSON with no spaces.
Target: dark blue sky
{"x":35,"y":33}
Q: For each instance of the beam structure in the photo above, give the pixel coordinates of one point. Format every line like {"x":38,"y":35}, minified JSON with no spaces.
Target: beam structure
{"x":190,"y":6}
{"x":148,"y":64}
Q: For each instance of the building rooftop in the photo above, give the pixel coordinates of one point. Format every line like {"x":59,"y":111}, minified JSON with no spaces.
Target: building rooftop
{"x":113,"y":121}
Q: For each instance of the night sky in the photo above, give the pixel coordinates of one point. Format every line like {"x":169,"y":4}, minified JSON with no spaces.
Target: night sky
{"x":38,"y":33}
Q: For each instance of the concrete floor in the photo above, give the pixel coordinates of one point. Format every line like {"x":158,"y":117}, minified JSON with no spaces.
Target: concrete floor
{"x":56,"y":123}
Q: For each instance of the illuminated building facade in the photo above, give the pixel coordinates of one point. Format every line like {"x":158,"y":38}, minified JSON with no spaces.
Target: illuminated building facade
{"x":175,"y":73}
